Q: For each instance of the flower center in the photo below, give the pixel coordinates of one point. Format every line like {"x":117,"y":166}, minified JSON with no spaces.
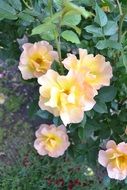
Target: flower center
{"x":39,"y":61}
{"x":121,"y":162}
{"x":66,"y":91}
{"x":51,"y":141}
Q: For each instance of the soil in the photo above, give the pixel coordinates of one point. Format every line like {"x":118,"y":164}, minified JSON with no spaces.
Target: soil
{"x":17,"y":114}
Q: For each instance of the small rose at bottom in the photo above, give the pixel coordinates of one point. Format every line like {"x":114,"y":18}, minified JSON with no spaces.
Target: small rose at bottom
{"x":51,"y":140}
{"x":114,"y":159}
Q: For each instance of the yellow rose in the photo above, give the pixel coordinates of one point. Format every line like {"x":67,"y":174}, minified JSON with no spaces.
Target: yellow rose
{"x":36,"y":59}
{"x":65,"y":96}
{"x":93,"y":70}
{"x":51,"y":140}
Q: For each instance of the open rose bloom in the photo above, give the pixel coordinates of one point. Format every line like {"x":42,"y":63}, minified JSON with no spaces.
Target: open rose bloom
{"x":114,"y":159}
{"x":65,"y":96}
{"x":93,"y":70}
{"x":36,"y":59}
{"x":51,"y":140}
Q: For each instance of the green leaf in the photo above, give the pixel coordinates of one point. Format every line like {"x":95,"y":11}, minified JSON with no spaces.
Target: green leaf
{"x":44,"y":115}
{"x":103,"y":44}
{"x":96,"y":31}
{"x":47,"y":35}
{"x":90,"y":127}
{"x":6,"y":11}
{"x":70,"y":36}
{"x":115,"y":123}
{"x":73,"y":127}
{"x":33,"y":108}
{"x":58,"y":3}
{"x":110,"y":28}
{"x":106,"y":181}
{"x":54,"y":19}
{"x":26,"y":17}
{"x":105,"y":131}
{"x":70,"y":6}
{"x":81,"y":133}
{"x":57,"y":67}
{"x":100,"y":107}
{"x":107,"y":94}
{"x":77,"y":29}
{"x":83,"y":122}
{"x":43,"y":28}
{"x":124,"y":60}
{"x":57,"y":121}
{"x":123,"y":115}
{"x":90,"y":113}
{"x":4,"y":14}
{"x":84,"y":12}
{"x":6,"y":7}
{"x":71,"y":151}
{"x":32,"y":12}
{"x":100,"y":17}
{"x":16,"y":4}
{"x":92,"y":151}
{"x":72,"y":18}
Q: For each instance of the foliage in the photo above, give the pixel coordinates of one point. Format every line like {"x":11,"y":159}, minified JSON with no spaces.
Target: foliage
{"x":69,"y":25}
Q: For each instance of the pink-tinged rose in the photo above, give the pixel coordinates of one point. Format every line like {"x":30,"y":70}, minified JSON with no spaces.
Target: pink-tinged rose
{"x":65,"y":96}
{"x":51,"y":140}
{"x":114,"y":159}
{"x":36,"y":59}
{"x":93,"y":70}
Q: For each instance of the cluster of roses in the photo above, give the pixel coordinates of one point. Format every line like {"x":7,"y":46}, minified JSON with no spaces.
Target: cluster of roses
{"x":68,"y":96}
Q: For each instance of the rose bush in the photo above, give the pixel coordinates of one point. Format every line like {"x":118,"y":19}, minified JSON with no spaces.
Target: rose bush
{"x":76,"y":52}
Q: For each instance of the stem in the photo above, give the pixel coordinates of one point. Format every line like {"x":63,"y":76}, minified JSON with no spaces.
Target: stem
{"x":125,"y":32}
{"x":119,"y":6}
{"x":57,"y":35}
{"x":58,"y":46}
{"x":57,"y":40}
{"x":103,"y":33}
{"x":27,"y":4}
{"x":50,"y":3}
{"x":120,"y":21}
{"x":120,"y":27}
